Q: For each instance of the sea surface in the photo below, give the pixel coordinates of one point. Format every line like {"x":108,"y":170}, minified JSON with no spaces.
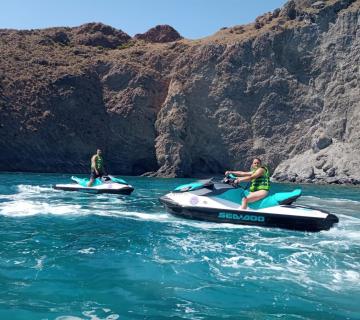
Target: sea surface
{"x":70,"y":255}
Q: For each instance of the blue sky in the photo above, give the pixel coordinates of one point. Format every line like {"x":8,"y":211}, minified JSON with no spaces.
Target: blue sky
{"x":192,"y":18}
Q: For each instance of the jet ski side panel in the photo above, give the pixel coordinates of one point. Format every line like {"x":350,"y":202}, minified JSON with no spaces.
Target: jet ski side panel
{"x":255,"y":218}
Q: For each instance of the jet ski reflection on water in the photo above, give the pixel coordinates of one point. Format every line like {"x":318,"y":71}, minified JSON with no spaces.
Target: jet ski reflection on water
{"x":209,"y":200}
{"x":105,"y":184}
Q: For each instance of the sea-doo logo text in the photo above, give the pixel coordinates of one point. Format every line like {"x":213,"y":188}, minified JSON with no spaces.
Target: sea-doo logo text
{"x":243,"y":217}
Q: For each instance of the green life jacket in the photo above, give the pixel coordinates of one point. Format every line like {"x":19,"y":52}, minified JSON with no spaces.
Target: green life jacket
{"x":99,"y":163}
{"x":261,"y":183}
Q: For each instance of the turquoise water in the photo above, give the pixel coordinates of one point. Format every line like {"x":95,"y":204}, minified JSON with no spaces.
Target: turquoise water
{"x":68,"y":255}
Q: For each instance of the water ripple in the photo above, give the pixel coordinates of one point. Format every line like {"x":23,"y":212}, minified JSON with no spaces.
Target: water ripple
{"x":78,"y":256}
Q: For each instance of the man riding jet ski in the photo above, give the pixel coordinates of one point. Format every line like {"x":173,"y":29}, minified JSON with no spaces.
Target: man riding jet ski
{"x":99,"y":182}
{"x":221,"y":201}
{"x":105,"y":184}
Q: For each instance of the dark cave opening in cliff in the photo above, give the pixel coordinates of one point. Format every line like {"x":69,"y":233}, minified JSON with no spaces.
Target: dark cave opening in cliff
{"x":144,"y":165}
{"x":206,"y":166}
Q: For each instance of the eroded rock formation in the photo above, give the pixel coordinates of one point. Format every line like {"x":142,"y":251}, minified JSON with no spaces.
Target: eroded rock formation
{"x":160,"y":34}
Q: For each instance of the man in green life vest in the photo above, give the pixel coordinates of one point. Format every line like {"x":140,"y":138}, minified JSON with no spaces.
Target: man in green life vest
{"x":97,"y":167}
{"x":260,"y":182}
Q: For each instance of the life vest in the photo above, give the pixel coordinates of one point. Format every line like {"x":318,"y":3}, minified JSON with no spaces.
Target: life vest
{"x":261,"y":183}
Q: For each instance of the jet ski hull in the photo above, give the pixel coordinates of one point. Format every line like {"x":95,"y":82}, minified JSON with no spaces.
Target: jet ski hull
{"x":292,"y":217}
{"x":125,"y":190}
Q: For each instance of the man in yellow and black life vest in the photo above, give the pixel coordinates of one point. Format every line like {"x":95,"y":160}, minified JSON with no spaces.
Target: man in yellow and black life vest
{"x":260,"y":182}
{"x":97,"y":167}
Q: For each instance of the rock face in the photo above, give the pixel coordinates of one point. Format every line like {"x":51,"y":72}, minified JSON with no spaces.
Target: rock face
{"x":285,"y":89}
{"x":335,"y":137}
{"x":160,"y":34}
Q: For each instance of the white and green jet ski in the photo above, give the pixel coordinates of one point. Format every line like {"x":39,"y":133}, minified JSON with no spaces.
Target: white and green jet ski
{"x":208,"y":200}
{"x":105,"y":184}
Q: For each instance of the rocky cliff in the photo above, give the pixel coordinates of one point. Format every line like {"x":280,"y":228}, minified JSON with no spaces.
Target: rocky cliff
{"x":284,"y":88}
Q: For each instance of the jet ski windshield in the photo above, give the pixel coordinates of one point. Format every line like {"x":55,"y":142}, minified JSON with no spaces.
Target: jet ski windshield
{"x":208,"y":183}
{"x":208,"y":187}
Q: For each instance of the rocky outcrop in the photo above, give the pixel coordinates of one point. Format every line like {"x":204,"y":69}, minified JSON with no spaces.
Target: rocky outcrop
{"x":284,"y":88}
{"x":89,"y":34}
{"x":335,"y":165}
{"x":98,"y":34}
{"x":159,"y":34}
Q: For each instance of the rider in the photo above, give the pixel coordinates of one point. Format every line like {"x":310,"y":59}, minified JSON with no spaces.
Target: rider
{"x":97,"y":167}
{"x":260,"y":182}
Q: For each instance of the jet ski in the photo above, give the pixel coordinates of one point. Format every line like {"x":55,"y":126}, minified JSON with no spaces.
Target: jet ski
{"x":220,"y":201}
{"x":105,"y":184}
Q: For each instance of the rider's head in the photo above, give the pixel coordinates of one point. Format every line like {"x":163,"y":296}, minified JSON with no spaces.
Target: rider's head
{"x":256,"y":163}
{"x":98,"y":152}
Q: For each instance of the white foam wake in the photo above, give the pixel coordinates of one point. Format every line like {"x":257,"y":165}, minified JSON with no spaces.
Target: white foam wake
{"x":23,"y":208}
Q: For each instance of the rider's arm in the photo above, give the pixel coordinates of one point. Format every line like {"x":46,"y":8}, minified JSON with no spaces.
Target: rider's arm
{"x":239,"y":173}
{"x":258,"y":173}
{"x":93,"y":164}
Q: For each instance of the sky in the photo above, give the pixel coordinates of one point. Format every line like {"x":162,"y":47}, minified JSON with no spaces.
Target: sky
{"x":193,"y":19}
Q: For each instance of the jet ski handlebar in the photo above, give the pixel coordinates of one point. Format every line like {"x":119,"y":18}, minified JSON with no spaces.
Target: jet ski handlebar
{"x":231,"y":180}
{"x":228,"y":180}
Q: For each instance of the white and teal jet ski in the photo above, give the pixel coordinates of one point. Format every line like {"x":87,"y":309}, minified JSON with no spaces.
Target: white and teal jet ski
{"x":105,"y":184}
{"x":208,"y":200}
